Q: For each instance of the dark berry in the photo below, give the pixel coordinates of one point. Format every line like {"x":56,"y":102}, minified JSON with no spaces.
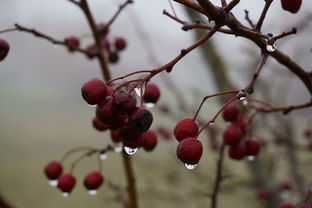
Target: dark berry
{"x":286,"y":205}
{"x":129,"y":134}
{"x":4,"y":49}
{"x":124,"y":102}
{"x":53,"y":169}
{"x":232,"y":135}
{"x":133,"y":143}
{"x":104,"y":111}
{"x":252,"y":146}
{"x":149,"y":140}
{"x":72,"y":42}
{"x":93,"y":180}
{"x":230,"y":113}
{"x":113,"y":57}
{"x":190,"y":151}
{"x":98,"y":125}
{"x":66,"y":182}
{"x":237,"y":152}
{"x":115,"y":136}
{"x":103,"y":29}
{"x":151,"y":93}
{"x":94,"y":91}
{"x":141,"y":120}
{"x":120,"y":43}
{"x":185,"y":128}
{"x":292,"y":6}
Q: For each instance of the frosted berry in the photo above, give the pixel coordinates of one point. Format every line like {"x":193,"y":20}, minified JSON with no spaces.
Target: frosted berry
{"x":66,"y":182}
{"x":141,"y":120}
{"x":232,"y":135}
{"x":120,"y":43}
{"x":115,"y":136}
{"x":252,"y":146}
{"x":93,"y":180}
{"x":104,"y":111}
{"x":94,"y":91}
{"x":237,"y":152}
{"x":149,"y":140}
{"x":53,"y":169}
{"x":230,"y":113}
{"x":190,"y":151}
{"x":4,"y":49}
{"x":72,"y":42}
{"x":103,"y":29}
{"x":151,"y":93}
{"x":292,"y":6}
{"x":124,"y":102}
{"x":286,"y":205}
{"x":185,"y":128}
{"x":98,"y":125}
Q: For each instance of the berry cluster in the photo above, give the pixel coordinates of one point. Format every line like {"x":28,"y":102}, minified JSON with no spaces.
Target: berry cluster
{"x":234,"y":133}
{"x":66,"y":181}
{"x":4,"y":49}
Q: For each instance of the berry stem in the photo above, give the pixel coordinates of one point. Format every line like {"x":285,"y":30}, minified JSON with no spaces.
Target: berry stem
{"x":120,"y":8}
{"x":248,"y":19}
{"x":68,"y":153}
{"x":127,"y":75}
{"x":8,"y":30}
{"x":263,"y":14}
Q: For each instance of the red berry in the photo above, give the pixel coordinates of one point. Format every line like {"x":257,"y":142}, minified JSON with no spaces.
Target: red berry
{"x":286,"y":185}
{"x":232,"y":135}
{"x":252,"y":146}
{"x":103,"y":29}
{"x":94,"y":91}
{"x":98,"y":125}
{"x":308,"y":133}
{"x":93,"y":180}
{"x":242,"y":123}
{"x":141,"y":120}
{"x":231,"y":112}
{"x":149,"y":141}
{"x":92,"y":50}
{"x":185,"y":128}
{"x":292,"y":6}
{"x":53,"y":169}
{"x":4,"y":49}
{"x":285,"y":205}
{"x":66,"y":182}
{"x":164,"y":132}
{"x":129,"y":134}
{"x":115,"y":136}
{"x":190,"y":151}
{"x":151,"y":94}
{"x":124,"y":102}
{"x":104,"y":111}
{"x":72,"y":42}
{"x":237,"y":152}
{"x":120,"y":43}
{"x":113,"y":57}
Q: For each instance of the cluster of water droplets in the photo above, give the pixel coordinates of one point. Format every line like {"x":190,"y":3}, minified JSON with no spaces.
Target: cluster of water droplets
{"x":130,"y":151}
{"x":190,"y":167}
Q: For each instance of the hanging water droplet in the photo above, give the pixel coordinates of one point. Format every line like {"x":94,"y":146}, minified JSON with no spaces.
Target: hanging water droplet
{"x":139,"y":91}
{"x":245,"y":102}
{"x":211,"y":123}
{"x":284,"y":194}
{"x":149,"y":105}
{"x":251,"y":158}
{"x":271,"y":47}
{"x":103,"y":156}
{"x":242,"y":98}
{"x":130,"y":151}
{"x":190,"y":167}
{"x":118,"y":149}
{"x":65,"y":194}
{"x":92,"y":192}
{"x":53,"y":182}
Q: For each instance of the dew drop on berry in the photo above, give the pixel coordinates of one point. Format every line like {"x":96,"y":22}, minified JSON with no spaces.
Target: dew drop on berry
{"x":149,"y":105}
{"x":118,"y":149}
{"x":103,"y":156}
{"x":65,"y":194}
{"x":251,"y":158}
{"x":130,"y":151}
{"x":190,"y":167}
{"x":92,"y":192}
{"x":53,"y":183}
{"x":271,"y":48}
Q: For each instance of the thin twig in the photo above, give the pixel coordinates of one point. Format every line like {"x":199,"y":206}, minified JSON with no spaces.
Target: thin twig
{"x":172,"y":8}
{"x":121,"y":7}
{"x":263,"y":14}
{"x":248,"y":19}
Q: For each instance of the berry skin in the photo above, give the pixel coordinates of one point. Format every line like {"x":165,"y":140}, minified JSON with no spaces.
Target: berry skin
{"x":4,"y":49}
{"x":115,"y":136}
{"x":135,"y":143}
{"x":237,"y":152}
{"x":292,"y":6}
{"x":149,"y":141}
{"x":92,"y":50}
{"x":185,"y":128}
{"x":66,"y":182}
{"x":141,"y":120}
{"x":286,"y":205}
{"x":72,"y":42}
{"x":94,"y":91}
{"x":104,"y":111}
{"x":124,"y":102}
{"x":103,"y":30}
{"x":128,"y":134}
{"x":252,"y":146}
{"x":113,"y":57}
{"x":93,"y":180}
{"x":242,"y":123}
{"x":53,"y":169}
{"x":190,"y":151}
{"x":232,"y":135}
{"x":120,"y":43}
{"x":98,"y":125}
{"x":151,"y":94}
{"x":230,"y":113}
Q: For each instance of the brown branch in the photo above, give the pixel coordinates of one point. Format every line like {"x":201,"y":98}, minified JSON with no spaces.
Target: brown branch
{"x":263,"y":14}
{"x":285,"y":110}
{"x":223,"y":3}
{"x":284,"y":34}
{"x":231,"y":5}
{"x":8,"y":30}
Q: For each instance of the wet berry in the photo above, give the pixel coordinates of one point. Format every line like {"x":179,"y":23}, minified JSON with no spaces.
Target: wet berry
{"x":149,"y":140}
{"x":66,"y":182}
{"x":230,"y":113}
{"x":98,"y":125}
{"x":141,"y":120}
{"x":185,"y":128}
{"x":151,"y":94}
{"x":120,"y":43}
{"x":53,"y":169}
{"x":237,"y":152}
{"x":252,"y":146}
{"x":190,"y":151}
{"x":93,"y":180}
{"x":232,"y":135}
{"x":124,"y":102}
{"x":94,"y":91}
{"x":4,"y":49}
{"x":292,"y":6}
{"x":135,"y":143}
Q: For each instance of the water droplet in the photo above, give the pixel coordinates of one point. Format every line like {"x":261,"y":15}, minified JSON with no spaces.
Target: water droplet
{"x":211,"y":123}
{"x":65,"y":194}
{"x":245,"y":102}
{"x":139,"y":91}
{"x":242,"y":98}
{"x":271,"y":48}
{"x":103,"y":156}
{"x":92,"y":192}
{"x":284,"y":194}
{"x":53,"y":182}
{"x":118,"y":149}
{"x":130,"y":151}
{"x":251,"y":158}
{"x":150,"y":105}
{"x":190,"y":167}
